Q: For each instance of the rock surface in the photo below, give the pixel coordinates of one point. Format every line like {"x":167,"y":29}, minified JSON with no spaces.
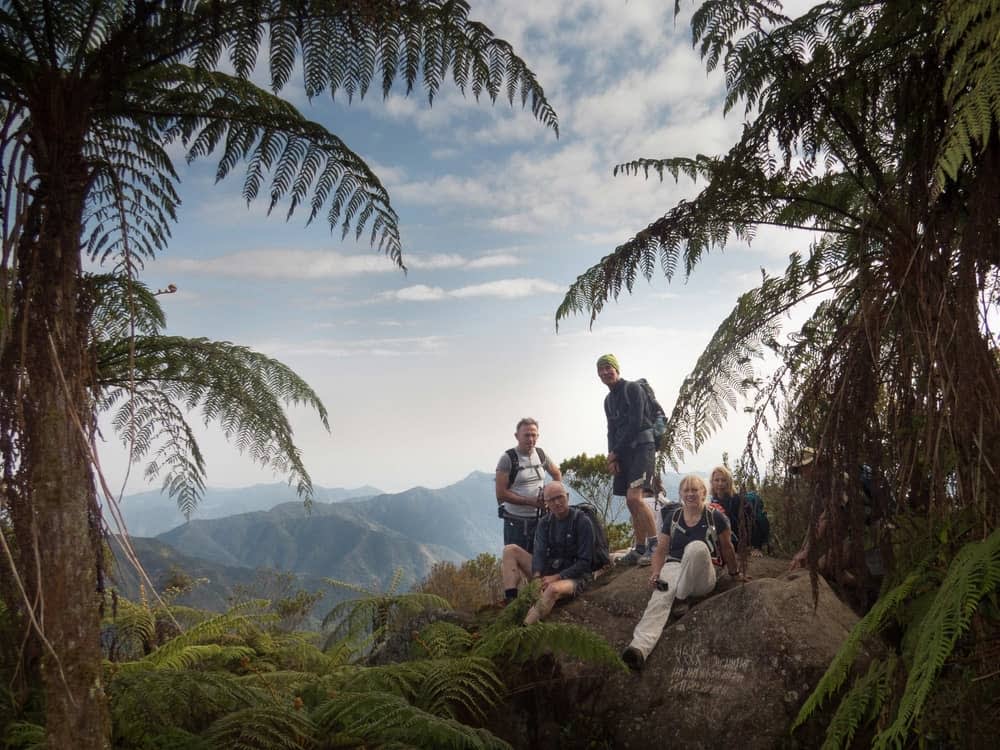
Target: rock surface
{"x":732,"y":671}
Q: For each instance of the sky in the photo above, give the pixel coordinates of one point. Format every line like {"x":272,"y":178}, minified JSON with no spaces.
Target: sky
{"x":426,"y":373}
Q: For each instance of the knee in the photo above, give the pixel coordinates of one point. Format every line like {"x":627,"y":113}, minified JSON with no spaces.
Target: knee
{"x":698,"y":552}
{"x":509,"y":553}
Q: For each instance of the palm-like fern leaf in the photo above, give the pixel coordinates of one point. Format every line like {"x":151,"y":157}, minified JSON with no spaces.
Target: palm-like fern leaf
{"x":264,"y":728}
{"x":151,"y":381}
{"x":377,"y":718}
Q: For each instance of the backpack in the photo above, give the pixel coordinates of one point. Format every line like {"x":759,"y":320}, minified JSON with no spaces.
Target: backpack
{"x":515,"y":465}
{"x":658,"y":419}
{"x":711,"y":536}
{"x":760,"y":531}
{"x":602,"y":555}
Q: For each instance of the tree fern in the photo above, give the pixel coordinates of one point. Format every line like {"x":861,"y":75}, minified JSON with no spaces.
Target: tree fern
{"x":150,"y":382}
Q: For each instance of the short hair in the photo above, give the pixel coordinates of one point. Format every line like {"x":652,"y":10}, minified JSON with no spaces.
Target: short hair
{"x":698,"y":482}
{"x":526,"y":421}
{"x":724,"y":470}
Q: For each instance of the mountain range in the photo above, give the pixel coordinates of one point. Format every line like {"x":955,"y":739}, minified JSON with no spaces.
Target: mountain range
{"x":359,"y":536}
{"x":153,"y":512}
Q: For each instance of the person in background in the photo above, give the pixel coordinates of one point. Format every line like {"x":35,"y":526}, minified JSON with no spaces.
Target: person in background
{"x":563,"y":556}
{"x":691,"y":540}
{"x":631,"y":453}
{"x":519,"y":482}
{"x":746,"y":522}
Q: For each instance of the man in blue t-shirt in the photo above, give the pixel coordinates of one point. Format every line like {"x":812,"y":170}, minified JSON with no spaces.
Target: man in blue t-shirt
{"x":562,"y":558}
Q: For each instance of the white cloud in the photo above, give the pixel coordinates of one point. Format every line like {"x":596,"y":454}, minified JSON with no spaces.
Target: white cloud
{"x":502,"y":289}
{"x":282,"y":264}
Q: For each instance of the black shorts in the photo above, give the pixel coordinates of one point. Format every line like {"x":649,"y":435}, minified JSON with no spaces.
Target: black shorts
{"x":638,"y":467}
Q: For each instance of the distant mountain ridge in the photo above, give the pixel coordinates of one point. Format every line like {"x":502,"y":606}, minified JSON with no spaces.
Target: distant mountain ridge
{"x":359,"y":541}
{"x":153,"y":512}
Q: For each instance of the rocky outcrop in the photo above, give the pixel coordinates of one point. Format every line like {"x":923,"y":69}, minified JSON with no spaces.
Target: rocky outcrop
{"x":731,"y":671}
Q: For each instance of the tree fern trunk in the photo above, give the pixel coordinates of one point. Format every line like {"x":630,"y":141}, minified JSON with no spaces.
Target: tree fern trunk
{"x":47,"y":407}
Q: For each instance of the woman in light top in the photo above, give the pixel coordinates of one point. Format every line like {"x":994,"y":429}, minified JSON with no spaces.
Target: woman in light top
{"x":692,"y":541}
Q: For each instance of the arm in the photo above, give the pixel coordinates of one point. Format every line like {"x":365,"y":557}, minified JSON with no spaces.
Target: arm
{"x":801,"y":557}
{"x":506,"y":495}
{"x":729,"y":555}
{"x":553,"y":470}
{"x":659,"y":557}
{"x":584,"y":549}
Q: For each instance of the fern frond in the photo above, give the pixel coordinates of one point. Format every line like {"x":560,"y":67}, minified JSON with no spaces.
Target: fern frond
{"x":861,"y":705}
{"x":23,"y":735}
{"x":153,"y":701}
{"x":438,"y":686}
{"x":366,"y":620}
{"x":442,"y":639}
{"x":264,"y":727}
{"x":520,"y":644}
{"x":378,"y":718}
{"x":877,"y":618}
{"x":972,"y":575}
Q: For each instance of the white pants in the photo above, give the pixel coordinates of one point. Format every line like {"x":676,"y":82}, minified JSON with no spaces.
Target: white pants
{"x":694,"y":575}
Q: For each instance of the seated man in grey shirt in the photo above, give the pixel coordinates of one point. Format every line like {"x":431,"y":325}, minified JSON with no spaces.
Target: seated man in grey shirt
{"x":563,"y":556}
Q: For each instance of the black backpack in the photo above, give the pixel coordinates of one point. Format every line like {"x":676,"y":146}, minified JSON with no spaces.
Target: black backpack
{"x":656,"y":416}
{"x":602,"y":555}
{"x":515,"y":465}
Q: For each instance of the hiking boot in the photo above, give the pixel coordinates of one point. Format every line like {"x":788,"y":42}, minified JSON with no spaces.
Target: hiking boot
{"x":633,"y":659}
{"x":631,"y":558}
{"x":646,"y":558}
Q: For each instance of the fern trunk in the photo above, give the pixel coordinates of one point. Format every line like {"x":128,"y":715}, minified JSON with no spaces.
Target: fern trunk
{"x":47,"y":415}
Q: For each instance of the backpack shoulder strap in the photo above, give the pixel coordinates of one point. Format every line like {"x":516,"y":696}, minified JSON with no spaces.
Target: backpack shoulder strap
{"x":515,"y":465}
{"x":541,"y":456}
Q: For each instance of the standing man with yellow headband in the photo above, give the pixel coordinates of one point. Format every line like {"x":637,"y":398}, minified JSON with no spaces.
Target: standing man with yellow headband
{"x":631,"y":453}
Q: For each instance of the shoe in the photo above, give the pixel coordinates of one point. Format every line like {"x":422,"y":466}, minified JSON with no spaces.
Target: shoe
{"x":633,"y":659}
{"x":646,"y":558}
{"x":632,"y":557}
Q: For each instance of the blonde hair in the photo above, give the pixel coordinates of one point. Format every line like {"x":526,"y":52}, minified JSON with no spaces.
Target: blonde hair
{"x":730,"y":488}
{"x":698,"y":482}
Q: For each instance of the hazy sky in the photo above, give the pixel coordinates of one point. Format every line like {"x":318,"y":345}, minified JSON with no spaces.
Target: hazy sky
{"x":425,"y":374}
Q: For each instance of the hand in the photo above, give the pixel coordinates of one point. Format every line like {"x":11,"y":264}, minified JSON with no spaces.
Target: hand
{"x":549,"y":580}
{"x":798,"y":560}
{"x":653,"y":579}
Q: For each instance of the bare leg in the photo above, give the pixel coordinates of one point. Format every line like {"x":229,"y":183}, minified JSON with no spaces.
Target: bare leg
{"x":643,"y":522}
{"x":540,"y":609}
{"x":514,"y":564}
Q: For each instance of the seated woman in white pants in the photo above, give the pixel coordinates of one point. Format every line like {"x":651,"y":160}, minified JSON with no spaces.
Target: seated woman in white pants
{"x":683,"y":564}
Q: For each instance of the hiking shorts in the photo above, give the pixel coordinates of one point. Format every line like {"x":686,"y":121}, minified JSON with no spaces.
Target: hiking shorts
{"x":638,"y":467}
{"x":579,"y":584}
{"x":520,"y":531}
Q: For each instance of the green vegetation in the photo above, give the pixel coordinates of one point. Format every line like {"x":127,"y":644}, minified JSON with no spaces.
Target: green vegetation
{"x":872,"y":126}
{"x":93,"y":95}
{"x":588,"y":476}
{"x":242,"y":679}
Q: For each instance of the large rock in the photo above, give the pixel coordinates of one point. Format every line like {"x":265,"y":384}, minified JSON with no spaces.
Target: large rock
{"x":730,"y":672}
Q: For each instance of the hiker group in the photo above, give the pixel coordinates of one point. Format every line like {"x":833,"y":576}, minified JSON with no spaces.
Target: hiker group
{"x":563,"y":546}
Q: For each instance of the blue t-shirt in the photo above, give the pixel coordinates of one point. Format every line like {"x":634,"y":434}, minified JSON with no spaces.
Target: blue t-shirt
{"x":684,"y":534}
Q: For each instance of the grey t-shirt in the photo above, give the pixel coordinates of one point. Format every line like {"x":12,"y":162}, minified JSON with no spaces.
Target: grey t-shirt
{"x":529,"y":480}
